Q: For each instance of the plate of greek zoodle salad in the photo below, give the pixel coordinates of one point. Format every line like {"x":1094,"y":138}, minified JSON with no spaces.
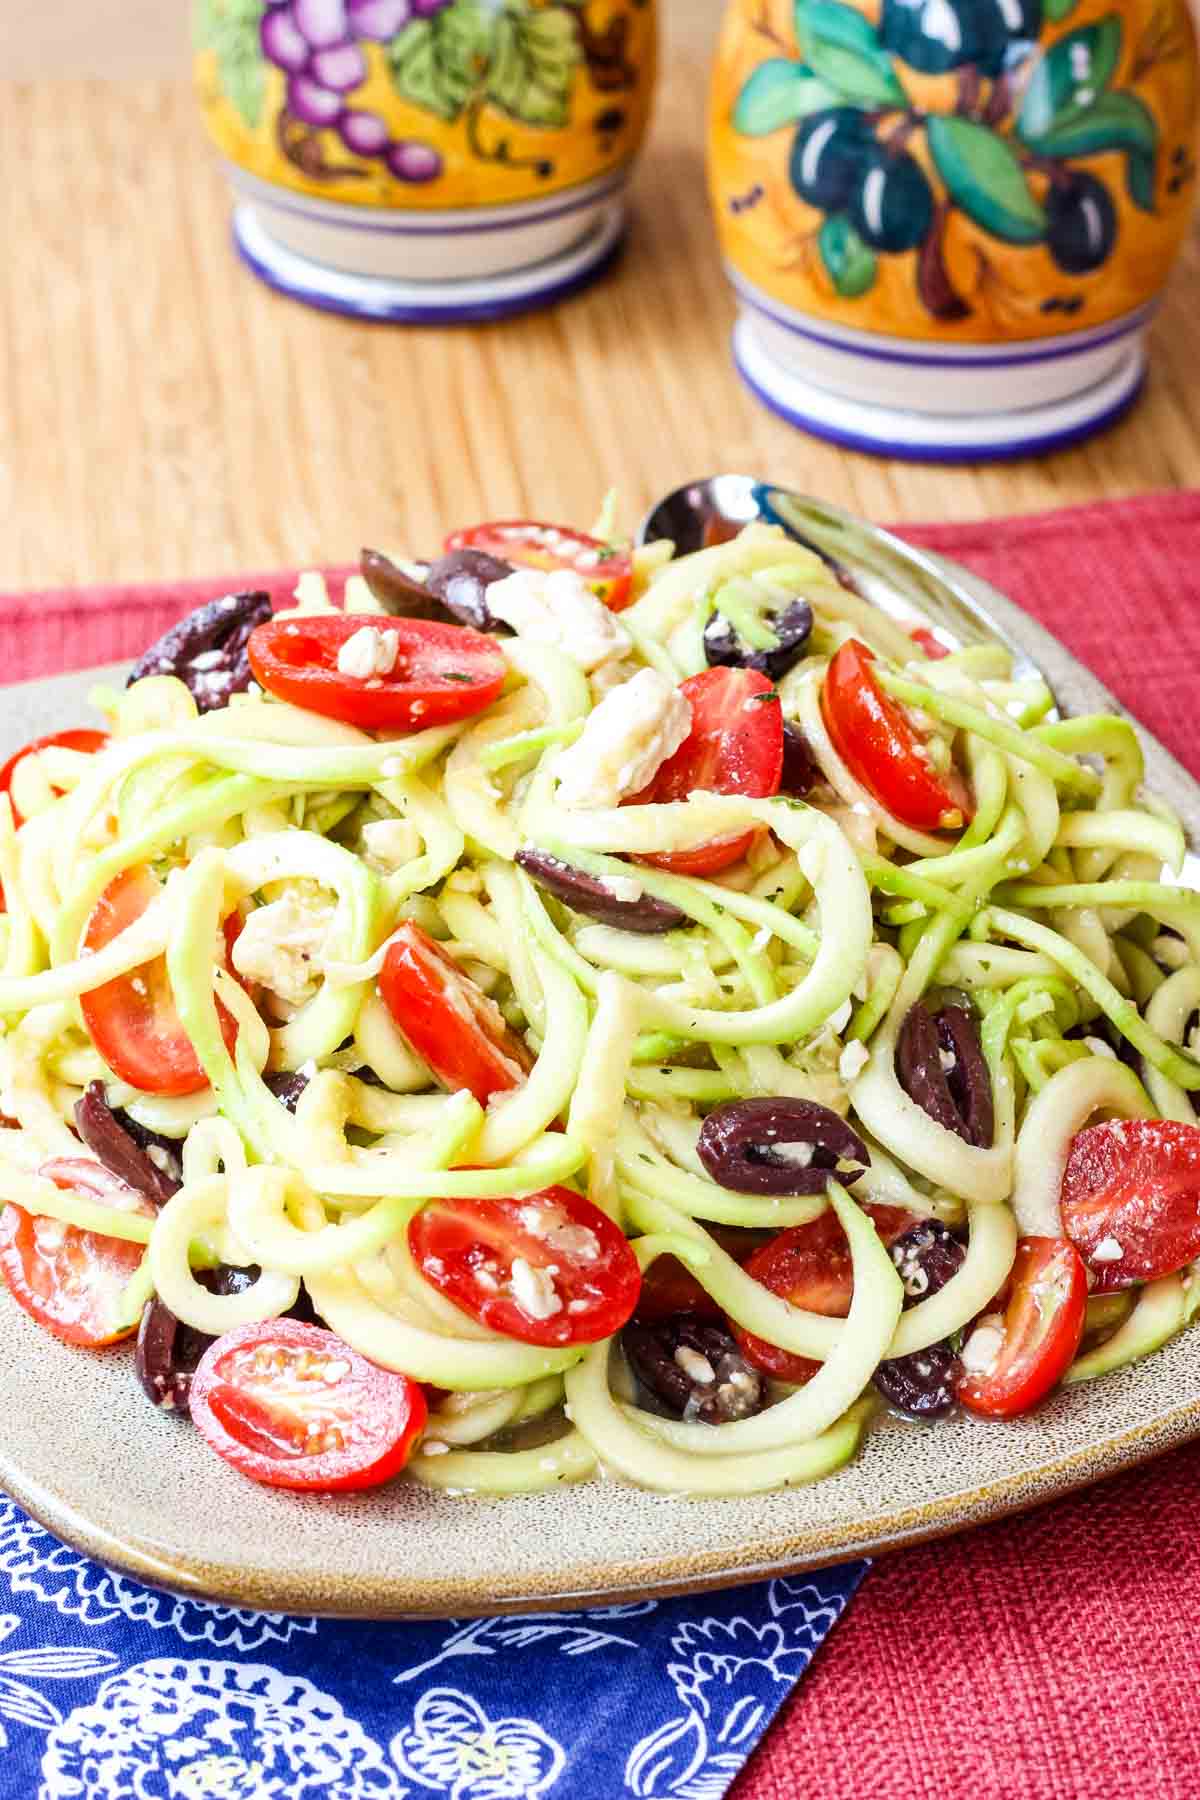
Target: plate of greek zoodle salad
{"x":658,"y":1041}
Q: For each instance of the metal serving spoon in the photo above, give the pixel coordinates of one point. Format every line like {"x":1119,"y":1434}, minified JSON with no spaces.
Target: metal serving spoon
{"x":914,"y":587}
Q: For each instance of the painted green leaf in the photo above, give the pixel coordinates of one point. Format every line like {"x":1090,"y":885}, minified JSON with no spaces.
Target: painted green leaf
{"x":841,"y":46}
{"x":1117,"y":121}
{"x":850,"y":262}
{"x":1141,"y":178}
{"x":1058,"y":10}
{"x":1069,"y":78}
{"x":230,"y":29}
{"x":780,"y":92}
{"x":533,"y":60}
{"x":985,"y":178}
{"x":439,"y":63}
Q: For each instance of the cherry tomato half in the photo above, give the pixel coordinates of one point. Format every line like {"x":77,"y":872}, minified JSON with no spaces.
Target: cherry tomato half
{"x":811,"y":1267}
{"x":533,"y":545}
{"x":440,"y":673}
{"x":735,"y":746}
{"x":1043,"y":1323}
{"x":293,"y":1406}
{"x":882,"y":748}
{"x":924,"y":639}
{"x":132,"y":1020}
{"x":1131,"y":1199}
{"x":669,"y":1287}
{"x":448,"y":1020}
{"x":82,"y":740}
{"x":71,"y":1281}
{"x":548,"y":1269}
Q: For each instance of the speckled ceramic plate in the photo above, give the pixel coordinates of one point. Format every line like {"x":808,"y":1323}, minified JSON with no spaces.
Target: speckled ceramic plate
{"x":83,"y":1452}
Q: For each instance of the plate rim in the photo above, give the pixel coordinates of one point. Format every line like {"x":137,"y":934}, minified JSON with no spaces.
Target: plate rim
{"x":588,"y":1582}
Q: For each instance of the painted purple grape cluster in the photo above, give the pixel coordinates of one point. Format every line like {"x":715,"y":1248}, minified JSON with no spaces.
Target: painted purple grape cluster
{"x":318,"y":45}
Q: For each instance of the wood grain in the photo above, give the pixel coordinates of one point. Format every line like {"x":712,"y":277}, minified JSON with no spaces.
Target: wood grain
{"x":164,"y":414}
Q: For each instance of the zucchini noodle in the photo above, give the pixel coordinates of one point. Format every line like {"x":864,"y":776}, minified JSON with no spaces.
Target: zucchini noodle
{"x":293,"y":852}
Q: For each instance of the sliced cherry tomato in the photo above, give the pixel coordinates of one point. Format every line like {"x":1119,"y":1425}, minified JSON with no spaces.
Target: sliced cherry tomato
{"x":448,"y":1020}
{"x":293,"y":1406}
{"x":549,"y":1268}
{"x":735,"y":746}
{"x":925,"y":640}
{"x":1043,"y":1323}
{"x":811,"y":1267}
{"x":440,"y":673}
{"x":132,"y":1020}
{"x":533,"y":545}
{"x":669,"y":1287}
{"x":882,"y":748}
{"x":88,"y":741}
{"x":1131,"y":1199}
{"x":71,"y":1281}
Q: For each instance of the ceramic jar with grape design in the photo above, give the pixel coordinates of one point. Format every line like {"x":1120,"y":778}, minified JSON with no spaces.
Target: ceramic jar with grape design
{"x":948,"y":221}
{"x":426,"y":160}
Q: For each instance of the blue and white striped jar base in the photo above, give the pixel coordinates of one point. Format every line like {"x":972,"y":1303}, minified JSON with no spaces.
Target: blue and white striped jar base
{"x":938,"y":403}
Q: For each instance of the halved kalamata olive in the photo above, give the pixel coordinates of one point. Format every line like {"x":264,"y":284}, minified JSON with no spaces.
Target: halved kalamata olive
{"x":792,"y":626}
{"x":398,"y":593}
{"x":926,"y":1256}
{"x":461,"y":579}
{"x":801,"y":770}
{"x":109,"y":1140}
{"x":924,"y":1385}
{"x":940,"y":1064}
{"x":168,"y":1351}
{"x":694,"y":1369}
{"x":784,"y":1146}
{"x":207,"y":650}
{"x":589,"y":894}
{"x":287,"y":1087}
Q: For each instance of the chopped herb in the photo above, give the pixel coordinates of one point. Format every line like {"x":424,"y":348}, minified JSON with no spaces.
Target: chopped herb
{"x":457,"y":675}
{"x":642,"y":1157}
{"x":772,"y":694}
{"x":608,"y":552}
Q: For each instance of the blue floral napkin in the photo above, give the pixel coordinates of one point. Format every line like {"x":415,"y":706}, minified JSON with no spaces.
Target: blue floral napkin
{"x":112,"y":1691}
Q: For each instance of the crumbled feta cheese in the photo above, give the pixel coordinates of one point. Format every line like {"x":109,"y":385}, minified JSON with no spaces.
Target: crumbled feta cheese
{"x":1108,"y":1250}
{"x":551,"y":1224}
{"x":625,"y":742}
{"x":948,"y":1061}
{"x":534,"y":1290}
{"x":622,"y":887}
{"x":1098,"y":1047}
{"x":391,"y":843}
{"x":798,"y":1156}
{"x":159,"y":1157}
{"x":980,"y":1352}
{"x":695,"y":1366}
{"x":558,"y":608}
{"x":368,"y":652}
{"x":280,"y":945}
{"x":853,"y":1061}
{"x":433,"y":1447}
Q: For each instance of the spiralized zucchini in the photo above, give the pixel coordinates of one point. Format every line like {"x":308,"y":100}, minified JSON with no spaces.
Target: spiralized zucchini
{"x":1054,"y":913}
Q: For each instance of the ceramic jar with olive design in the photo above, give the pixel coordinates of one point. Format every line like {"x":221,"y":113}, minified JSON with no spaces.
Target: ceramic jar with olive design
{"x":427,"y":160}
{"x":948,"y":221}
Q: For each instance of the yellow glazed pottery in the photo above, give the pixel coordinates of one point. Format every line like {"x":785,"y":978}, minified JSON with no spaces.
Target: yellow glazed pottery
{"x":427,"y":159}
{"x":948,"y":220}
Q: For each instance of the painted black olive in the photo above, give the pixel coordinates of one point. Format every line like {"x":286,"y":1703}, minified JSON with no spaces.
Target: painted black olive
{"x":924,"y":1385}
{"x":461,"y":580}
{"x":940,"y":1064}
{"x":801,"y":770}
{"x":589,"y":894}
{"x":109,"y":1140}
{"x":398,"y":593}
{"x":168,"y":1351}
{"x":829,"y":155}
{"x":935,"y":36}
{"x":207,"y":650}
{"x":892,"y":206}
{"x":694,"y":1369}
{"x":784,"y":1146}
{"x":1081,"y":224}
{"x":792,"y":626}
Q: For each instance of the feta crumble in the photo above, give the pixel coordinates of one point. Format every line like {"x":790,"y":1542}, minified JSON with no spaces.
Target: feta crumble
{"x":696,"y":1367}
{"x":853,"y":1061}
{"x":982,"y":1349}
{"x":558,"y":608}
{"x":391,"y":843}
{"x":534,"y":1290}
{"x":368,"y":652}
{"x":1108,"y":1250}
{"x":625,"y":742}
{"x":281,"y":944}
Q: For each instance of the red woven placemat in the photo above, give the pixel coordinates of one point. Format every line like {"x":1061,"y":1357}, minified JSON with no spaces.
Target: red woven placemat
{"x":1052,"y":1655}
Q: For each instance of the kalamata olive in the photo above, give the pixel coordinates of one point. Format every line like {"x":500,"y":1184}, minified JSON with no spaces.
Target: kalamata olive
{"x":111,"y":1141}
{"x":694,"y":1369}
{"x":924,"y":1385}
{"x":801,"y":770}
{"x":784,"y":1146}
{"x":588,"y":894}
{"x":287,"y":1087}
{"x":168,"y":1151}
{"x":940,"y":1064}
{"x":168,"y":1351}
{"x":461,"y":580}
{"x":398,"y":593}
{"x":926,"y":1257}
{"x":207,"y":650}
{"x":792,"y":626}
{"x":1104,"y":1029}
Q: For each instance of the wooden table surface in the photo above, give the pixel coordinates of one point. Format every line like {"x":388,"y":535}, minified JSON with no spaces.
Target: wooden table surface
{"x":162,"y":413}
